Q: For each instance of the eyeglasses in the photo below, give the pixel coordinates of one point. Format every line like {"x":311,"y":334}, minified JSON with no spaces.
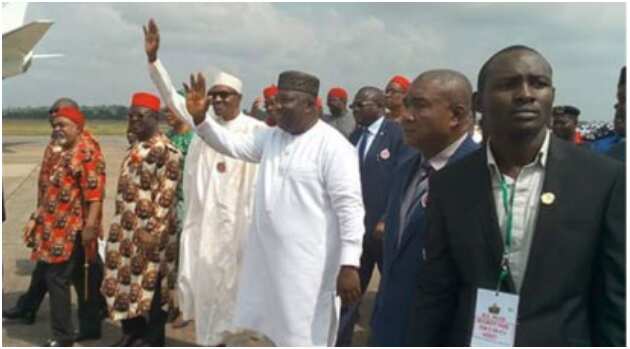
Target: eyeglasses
{"x":222,"y":94}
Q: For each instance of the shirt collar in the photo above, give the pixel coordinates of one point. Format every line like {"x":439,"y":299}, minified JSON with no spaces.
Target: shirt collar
{"x":541,"y":157}
{"x":441,"y":159}
{"x":375,"y":126}
{"x":231,"y":123}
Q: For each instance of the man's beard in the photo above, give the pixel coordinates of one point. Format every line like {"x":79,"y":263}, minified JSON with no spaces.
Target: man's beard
{"x":59,"y":141}
{"x":59,"y":138}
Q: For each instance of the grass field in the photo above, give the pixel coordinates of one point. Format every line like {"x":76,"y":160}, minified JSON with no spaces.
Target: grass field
{"x":42,"y":127}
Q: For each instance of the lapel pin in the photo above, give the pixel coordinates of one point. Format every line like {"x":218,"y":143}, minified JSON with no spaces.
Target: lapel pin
{"x":221,"y":167}
{"x":385,"y":154}
{"x":547,"y":198}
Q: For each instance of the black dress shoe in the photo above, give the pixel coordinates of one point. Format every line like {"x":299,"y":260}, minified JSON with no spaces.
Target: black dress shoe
{"x":146,"y":343}
{"x":126,"y":341}
{"x":16,"y":313}
{"x":80,"y":337}
{"x":57,"y":343}
{"x":12,"y":313}
{"x":28,"y":318}
{"x":141,"y":343}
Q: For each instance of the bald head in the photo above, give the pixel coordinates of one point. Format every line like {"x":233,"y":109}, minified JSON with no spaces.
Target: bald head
{"x":453,"y":85}
{"x":440,"y":110}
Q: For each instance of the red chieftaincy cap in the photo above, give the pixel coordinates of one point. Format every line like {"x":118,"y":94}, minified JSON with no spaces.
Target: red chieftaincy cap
{"x":147,"y":100}
{"x":401,"y":80}
{"x":338,"y":92}
{"x":73,"y":114}
{"x":270,"y":91}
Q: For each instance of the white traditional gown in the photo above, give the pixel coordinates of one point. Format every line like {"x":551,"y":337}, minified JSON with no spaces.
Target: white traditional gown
{"x":308,"y":221}
{"x":218,"y":193}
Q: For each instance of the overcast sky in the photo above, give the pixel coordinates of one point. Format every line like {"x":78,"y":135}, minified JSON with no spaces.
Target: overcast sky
{"x":350,"y":45}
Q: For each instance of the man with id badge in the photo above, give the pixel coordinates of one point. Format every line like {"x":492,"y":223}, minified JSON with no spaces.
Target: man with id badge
{"x":519,"y":251}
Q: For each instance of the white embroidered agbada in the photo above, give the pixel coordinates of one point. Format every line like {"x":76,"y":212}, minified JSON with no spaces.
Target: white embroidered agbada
{"x":218,"y":192}
{"x":308,"y":221}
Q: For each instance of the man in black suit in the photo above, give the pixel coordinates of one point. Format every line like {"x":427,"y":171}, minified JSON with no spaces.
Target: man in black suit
{"x":565,"y":255}
{"x":437,"y":125}
{"x":618,"y":151}
{"x":380,"y":145}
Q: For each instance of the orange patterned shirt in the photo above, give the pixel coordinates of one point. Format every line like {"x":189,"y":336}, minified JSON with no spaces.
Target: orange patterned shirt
{"x":68,"y":181}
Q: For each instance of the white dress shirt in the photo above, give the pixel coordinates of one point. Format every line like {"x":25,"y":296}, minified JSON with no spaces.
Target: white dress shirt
{"x":372,"y":131}
{"x":527,"y":187}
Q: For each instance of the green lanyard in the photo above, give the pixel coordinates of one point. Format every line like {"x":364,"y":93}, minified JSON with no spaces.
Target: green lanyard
{"x":508,"y":197}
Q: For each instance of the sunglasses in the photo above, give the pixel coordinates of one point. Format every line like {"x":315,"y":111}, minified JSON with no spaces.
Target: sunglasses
{"x":223,"y":94}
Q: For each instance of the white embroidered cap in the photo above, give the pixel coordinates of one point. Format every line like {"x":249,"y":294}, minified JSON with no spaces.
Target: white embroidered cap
{"x":228,"y":80}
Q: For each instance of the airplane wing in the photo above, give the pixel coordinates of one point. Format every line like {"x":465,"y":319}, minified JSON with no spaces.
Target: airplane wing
{"x":24,"y":38}
{"x":13,"y":14}
{"x":17,"y":47}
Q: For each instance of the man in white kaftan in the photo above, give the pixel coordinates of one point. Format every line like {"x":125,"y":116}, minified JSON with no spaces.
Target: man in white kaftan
{"x":304,"y":243}
{"x":218,"y":206}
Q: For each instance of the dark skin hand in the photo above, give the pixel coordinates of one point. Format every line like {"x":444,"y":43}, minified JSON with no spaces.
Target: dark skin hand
{"x":379,"y":230}
{"x":196,"y":101}
{"x":348,"y":285}
{"x":151,"y":40}
{"x":89,"y":231}
{"x":256,"y":106}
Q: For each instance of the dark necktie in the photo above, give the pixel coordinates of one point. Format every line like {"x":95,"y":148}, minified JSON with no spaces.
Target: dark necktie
{"x":417,"y":188}
{"x":363,"y":143}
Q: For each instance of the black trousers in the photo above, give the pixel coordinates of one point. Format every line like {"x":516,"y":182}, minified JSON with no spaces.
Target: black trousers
{"x":371,"y":256}
{"x":153,"y":329}
{"x":56,"y":279}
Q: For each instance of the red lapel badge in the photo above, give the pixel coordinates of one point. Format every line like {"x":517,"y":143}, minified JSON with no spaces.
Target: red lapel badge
{"x":221,"y":167}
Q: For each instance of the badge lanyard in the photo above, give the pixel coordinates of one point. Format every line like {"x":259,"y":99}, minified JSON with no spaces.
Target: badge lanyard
{"x":508,"y":202}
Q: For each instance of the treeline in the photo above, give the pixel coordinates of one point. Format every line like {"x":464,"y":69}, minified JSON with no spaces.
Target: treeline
{"x":98,"y":112}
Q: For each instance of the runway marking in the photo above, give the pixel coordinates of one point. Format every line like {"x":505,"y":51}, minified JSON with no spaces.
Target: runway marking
{"x":17,"y":170}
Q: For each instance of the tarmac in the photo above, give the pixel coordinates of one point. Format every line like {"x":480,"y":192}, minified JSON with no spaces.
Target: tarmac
{"x":21,"y":159}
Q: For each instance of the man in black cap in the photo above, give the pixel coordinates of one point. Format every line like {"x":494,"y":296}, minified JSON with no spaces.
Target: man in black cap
{"x":304,"y":243}
{"x":565,"y":120}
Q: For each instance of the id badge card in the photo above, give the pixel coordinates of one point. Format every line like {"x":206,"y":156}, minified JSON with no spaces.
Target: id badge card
{"x":495,"y":319}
